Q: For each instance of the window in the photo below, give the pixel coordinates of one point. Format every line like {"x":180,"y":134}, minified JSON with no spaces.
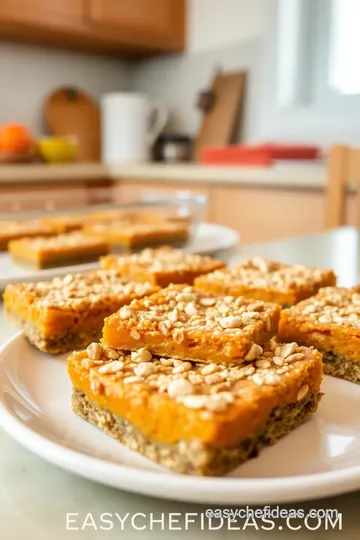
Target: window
{"x":318,"y":45}
{"x":344,"y":46}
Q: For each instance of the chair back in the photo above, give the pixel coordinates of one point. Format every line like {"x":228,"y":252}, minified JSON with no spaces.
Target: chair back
{"x":343,"y":171}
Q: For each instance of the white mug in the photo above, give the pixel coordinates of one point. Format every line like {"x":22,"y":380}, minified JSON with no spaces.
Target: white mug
{"x":130,"y":123}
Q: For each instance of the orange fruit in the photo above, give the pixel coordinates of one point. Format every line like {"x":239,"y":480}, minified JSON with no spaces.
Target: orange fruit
{"x":15,"y":138}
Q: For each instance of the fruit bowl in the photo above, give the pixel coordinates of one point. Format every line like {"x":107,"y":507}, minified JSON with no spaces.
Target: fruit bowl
{"x":21,"y":156}
{"x":57,"y":149}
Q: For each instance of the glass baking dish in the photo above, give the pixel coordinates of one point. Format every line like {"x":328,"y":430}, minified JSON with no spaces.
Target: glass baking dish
{"x":185,"y":206}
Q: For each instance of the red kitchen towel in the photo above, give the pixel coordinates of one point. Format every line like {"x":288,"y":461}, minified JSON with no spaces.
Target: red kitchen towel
{"x":263,"y":155}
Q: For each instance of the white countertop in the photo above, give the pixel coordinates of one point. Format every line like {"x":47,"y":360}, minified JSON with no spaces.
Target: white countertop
{"x":36,"y":496}
{"x":286,"y":175}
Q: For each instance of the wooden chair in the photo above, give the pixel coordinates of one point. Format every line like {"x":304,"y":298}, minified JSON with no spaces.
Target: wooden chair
{"x":344,"y":171}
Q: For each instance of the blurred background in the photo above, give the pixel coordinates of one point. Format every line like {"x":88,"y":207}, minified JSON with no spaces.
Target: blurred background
{"x":254,"y":103}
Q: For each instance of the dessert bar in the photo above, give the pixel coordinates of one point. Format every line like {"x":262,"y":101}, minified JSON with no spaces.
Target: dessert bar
{"x":65,"y":223}
{"x":194,"y":418}
{"x":11,"y":230}
{"x":136,"y":234}
{"x":61,"y":250}
{"x":190,"y":324}
{"x":330,"y":321}
{"x":139,"y":216}
{"x":270,"y":281}
{"x":68,"y":312}
{"x":162,"y":266}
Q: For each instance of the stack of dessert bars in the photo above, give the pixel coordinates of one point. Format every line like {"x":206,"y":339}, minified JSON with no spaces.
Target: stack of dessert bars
{"x":194,"y":381}
{"x":191,"y":375}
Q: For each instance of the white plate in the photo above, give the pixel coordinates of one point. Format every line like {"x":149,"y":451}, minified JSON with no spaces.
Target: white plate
{"x":209,"y":238}
{"x":319,"y":459}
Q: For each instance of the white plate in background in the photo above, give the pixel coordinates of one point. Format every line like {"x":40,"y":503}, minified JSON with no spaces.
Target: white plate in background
{"x":209,"y":238}
{"x":319,"y":459}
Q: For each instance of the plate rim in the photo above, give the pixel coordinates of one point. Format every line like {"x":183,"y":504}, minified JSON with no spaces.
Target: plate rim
{"x":224,"y":490}
{"x":50,"y":273}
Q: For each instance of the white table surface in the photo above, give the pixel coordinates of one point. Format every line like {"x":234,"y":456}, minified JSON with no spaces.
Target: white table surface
{"x":36,"y":496}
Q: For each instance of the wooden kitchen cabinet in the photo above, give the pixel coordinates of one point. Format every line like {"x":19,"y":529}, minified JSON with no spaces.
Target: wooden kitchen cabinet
{"x":150,"y":22}
{"x":261,"y":215}
{"x":133,"y":27}
{"x":58,"y":196}
{"x":30,"y":15}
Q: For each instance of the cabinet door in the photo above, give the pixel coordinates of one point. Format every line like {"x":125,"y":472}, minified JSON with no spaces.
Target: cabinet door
{"x":254,"y":212}
{"x":54,"y":13}
{"x":148,"y":21}
{"x":56,"y":197}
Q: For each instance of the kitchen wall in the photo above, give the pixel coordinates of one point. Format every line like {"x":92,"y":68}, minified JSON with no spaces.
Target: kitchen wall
{"x":28,"y":74}
{"x":227,"y":33}
{"x":214,"y":23}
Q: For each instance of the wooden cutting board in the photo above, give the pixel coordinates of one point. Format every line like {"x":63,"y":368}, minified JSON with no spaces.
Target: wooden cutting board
{"x":220,"y":122}
{"x":69,"y":111}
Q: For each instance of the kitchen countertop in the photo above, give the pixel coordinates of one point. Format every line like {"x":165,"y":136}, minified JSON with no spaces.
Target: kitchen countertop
{"x":36,"y":496}
{"x":34,"y":173}
{"x":288,"y":175}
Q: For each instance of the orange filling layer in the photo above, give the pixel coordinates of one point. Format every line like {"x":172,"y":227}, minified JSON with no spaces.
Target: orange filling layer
{"x":343,"y":342}
{"x":26,"y":250}
{"x":163,"y":419}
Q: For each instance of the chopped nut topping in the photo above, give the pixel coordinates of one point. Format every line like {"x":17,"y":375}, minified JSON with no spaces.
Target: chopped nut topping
{"x":302,"y":392}
{"x":209,"y":368}
{"x":144,"y":369}
{"x":260,"y":273}
{"x":178,"y":313}
{"x":195,"y":402}
{"x":135,"y":334}
{"x":94,"y":351}
{"x":23,"y":228}
{"x":213,"y":378}
{"x":254,"y":352}
{"x":163,"y":259}
{"x":181,"y":368}
{"x":258,"y":379}
{"x":211,"y":387}
{"x":272,"y":345}
{"x":179,"y":388}
{"x":294,"y":357}
{"x":60,"y":241}
{"x":111,"y":353}
{"x":217,"y":402}
{"x":133,"y":380}
{"x":207,"y":302}
{"x":97,"y":387}
{"x":263,"y":364}
{"x":112,"y":367}
{"x":278,"y":360}
{"x":82,"y":291}
{"x":287,"y":350}
{"x":331,"y":306}
{"x":232,"y":322}
{"x":125,"y":312}
{"x":271,"y":378}
{"x":141,"y":355}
